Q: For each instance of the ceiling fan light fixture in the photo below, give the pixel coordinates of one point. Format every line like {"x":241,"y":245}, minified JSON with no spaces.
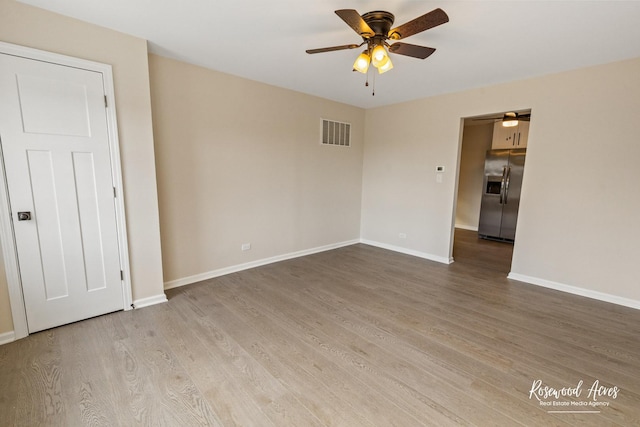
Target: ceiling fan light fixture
{"x":385,"y":66}
{"x":510,"y":120}
{"x":379,"y":55}
{"x":362,"y":62}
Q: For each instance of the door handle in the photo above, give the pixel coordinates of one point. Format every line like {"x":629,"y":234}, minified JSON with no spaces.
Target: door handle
{"x":24,"y":216}
{"x":502,"y":182}
{"x":506,"y":185}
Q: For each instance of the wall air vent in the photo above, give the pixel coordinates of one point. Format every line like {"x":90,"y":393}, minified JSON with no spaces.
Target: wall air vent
{"x":336,"y":133}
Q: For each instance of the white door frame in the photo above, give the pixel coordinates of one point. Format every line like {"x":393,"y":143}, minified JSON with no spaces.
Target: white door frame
{"x":7,"y":236}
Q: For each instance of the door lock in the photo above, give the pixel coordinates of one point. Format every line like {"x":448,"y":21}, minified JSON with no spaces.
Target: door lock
{"x":24,"y":216}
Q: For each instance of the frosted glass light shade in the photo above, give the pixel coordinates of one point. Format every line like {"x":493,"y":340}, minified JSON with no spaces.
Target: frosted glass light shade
{"x":362,"y":63}
{"x":378,"y":55}
{"x":385,"y":66}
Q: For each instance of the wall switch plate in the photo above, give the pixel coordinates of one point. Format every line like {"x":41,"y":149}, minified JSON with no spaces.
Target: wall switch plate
{"x":439,"y":178}
{"x":402,"y":235}
{"x":246,"y":246}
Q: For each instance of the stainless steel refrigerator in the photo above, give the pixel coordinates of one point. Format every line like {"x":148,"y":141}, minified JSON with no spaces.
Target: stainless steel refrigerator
{"x":501,"y":194}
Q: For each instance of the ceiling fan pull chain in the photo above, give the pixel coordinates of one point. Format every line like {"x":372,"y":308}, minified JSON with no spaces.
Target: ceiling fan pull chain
{"x":373,"y":91}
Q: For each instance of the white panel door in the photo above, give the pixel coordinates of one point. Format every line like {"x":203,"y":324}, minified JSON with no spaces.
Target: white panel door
{"x":55,"y":145}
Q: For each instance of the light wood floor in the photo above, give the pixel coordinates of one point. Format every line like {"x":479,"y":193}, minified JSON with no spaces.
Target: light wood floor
{"x":357,"y":336}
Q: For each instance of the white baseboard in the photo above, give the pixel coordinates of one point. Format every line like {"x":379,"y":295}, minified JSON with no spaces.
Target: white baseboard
{"x":406,"y":251}
{"x":7,"y":337}
{"x":146,"y":302}
{"x":467,"y":227}
{"x":601,"y":296}
{"x":252,"y":264}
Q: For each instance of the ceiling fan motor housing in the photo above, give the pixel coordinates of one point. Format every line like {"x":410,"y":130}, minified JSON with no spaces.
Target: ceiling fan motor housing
{"x":380,"y":22}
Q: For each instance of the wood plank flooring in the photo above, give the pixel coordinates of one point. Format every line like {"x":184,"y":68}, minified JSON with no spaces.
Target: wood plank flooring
{"x":358,"y":336}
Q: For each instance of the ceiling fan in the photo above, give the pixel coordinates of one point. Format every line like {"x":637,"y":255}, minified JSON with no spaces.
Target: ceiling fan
{"x":375,"y":30}
{"x":508,"y":119}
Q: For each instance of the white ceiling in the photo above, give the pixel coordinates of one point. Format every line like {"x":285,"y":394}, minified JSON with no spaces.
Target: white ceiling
{"x":485,"y":42}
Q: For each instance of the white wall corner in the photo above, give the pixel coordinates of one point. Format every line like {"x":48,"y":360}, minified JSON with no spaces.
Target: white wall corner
{"x":7,"y":337}
{"x":430,"y":257}
{"x":601,"y":296}
{"x":146,"y":302}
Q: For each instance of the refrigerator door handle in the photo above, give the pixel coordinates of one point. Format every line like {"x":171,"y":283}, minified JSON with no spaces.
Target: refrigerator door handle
{"x":502,"y":185}
{"x":506,"y":184}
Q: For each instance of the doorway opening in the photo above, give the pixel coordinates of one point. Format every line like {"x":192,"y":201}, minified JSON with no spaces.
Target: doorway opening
{"x":488,"y":194}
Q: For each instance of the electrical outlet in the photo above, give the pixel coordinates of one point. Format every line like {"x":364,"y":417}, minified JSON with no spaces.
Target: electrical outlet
{"x":246,"y":246}
{"x":402,"y":235}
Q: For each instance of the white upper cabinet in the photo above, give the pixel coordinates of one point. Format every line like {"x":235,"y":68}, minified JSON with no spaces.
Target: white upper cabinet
{"x":510,"y":137}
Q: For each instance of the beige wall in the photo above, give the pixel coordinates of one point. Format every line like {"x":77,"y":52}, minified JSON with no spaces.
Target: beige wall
{"x":241,"y":162}
{"x":476,"y":140}
{"x":577,"y":223}
{"x":37,"y":28}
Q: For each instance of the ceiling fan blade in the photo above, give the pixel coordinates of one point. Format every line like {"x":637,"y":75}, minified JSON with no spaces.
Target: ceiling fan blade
{"x":355,"y":21}
{"x":332,"y":48}
{"x":413,"y":50}
{"x":428,"y":20}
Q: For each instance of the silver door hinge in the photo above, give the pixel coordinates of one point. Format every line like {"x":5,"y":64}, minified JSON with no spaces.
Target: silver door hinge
{"x":105,"y":102}
{"x":121,"y":275}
